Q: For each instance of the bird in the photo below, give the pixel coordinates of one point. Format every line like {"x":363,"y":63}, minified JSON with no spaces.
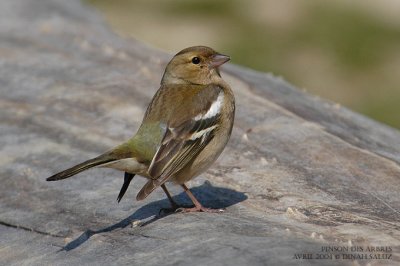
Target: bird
{"x":184,"y":130}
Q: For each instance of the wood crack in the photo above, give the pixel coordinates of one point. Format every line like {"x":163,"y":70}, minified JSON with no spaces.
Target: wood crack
{"x":20,"y":227}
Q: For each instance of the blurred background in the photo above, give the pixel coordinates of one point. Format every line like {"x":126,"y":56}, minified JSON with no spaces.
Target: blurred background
{"x":345,"y":51}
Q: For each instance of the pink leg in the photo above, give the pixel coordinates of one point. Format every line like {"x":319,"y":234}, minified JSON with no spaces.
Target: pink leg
{"x":197,"y":205}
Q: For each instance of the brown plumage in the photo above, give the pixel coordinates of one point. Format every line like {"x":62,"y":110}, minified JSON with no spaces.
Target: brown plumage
{"x":185,"y":128}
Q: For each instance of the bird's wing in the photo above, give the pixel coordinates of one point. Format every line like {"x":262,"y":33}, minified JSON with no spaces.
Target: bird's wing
{"x":183,"y":143}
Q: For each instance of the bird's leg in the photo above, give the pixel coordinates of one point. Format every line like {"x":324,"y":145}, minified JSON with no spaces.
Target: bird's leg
{"x":173,"y":203}
{"x":197,"y":205}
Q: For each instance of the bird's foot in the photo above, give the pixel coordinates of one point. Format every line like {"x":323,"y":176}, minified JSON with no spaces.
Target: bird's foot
{"x":199,"y":209}
{"x":174,"y":208}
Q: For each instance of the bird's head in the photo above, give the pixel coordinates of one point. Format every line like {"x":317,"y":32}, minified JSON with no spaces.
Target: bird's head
{"x":194,"y":65}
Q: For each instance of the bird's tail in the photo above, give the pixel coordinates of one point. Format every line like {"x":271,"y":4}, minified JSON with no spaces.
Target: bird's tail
{"x":102,"y":159}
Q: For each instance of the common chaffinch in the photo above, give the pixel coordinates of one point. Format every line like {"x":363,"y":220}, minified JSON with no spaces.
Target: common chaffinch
{"x":185,"y":128}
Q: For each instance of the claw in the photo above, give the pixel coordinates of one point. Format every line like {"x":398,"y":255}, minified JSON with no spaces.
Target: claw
{"x":201,"y":209}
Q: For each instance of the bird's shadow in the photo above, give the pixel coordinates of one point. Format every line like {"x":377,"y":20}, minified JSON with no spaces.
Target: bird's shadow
{"x":209,"y":195}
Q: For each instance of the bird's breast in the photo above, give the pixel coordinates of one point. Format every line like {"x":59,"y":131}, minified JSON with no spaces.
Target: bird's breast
{"x":130,"y":165}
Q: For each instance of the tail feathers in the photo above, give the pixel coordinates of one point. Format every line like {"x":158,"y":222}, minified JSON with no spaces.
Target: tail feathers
{"x":127,"y":180}
{"x":147,"y":189}
{"x":80,"y":167}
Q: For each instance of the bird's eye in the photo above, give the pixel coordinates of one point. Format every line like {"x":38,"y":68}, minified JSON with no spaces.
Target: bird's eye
{"x":195,"y":60}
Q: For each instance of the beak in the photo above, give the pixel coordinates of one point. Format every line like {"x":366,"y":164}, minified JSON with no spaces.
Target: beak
{"x":218,"y":59}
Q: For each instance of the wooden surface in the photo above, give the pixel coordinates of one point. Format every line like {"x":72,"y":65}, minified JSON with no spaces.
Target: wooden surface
{"x":299,"y":173}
